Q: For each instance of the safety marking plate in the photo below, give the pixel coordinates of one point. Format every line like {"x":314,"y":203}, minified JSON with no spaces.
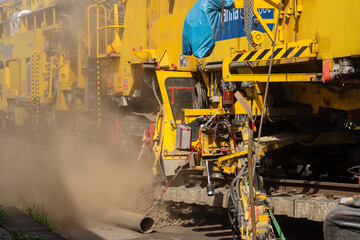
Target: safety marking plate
{"x":301,"y":49}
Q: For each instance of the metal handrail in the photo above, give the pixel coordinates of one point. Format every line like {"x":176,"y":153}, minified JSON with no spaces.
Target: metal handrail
{"x":97,"y":27}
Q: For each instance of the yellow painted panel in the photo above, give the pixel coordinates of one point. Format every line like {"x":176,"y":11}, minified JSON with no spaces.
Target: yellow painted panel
{"x":331,"y":22}
{"x":135,"y":35}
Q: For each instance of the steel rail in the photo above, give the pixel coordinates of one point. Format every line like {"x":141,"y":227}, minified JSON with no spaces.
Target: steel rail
{"x":313,"y":187}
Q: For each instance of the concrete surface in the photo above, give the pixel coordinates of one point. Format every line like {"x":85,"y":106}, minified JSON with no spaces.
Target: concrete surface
{"x":296,"y":206}
{"x":293,"y":229}
{"x":100,"y":231}
{"x":197,"y":195}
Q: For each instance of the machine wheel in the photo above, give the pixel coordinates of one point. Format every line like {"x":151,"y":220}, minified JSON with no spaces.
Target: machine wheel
{"x":342,"y":222}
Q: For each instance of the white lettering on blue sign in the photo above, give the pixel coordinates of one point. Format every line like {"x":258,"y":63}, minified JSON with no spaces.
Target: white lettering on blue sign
{"x":6,"y":51}
{"x":233,"y":23}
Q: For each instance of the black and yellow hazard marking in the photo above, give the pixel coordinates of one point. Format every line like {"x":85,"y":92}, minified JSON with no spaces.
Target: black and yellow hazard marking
{"x":299,"y":49}
{"x":302,"y":49}
{"x":32,"y":78}
{"x":287,"y":53}
{"x":262,"y":55}
{"x":98,"y":92}
{"x":35,"y":88}
{"x":237,"y":57}
{"x":276,"y":52}
{"x":251,"y":54}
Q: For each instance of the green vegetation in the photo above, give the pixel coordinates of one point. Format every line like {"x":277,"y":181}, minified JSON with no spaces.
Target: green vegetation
{"x":19,"y":235}
{"x":2,"y":215}
{"x":16,"y":235}
{"x":38,"y":213}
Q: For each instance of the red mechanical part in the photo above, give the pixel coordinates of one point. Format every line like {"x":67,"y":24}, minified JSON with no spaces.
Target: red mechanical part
{"x":223,"y":149}
{"x":252,"y":125}
{"x":148,"y":136}
{"x":152,"y":131}
{"x":257,"y":211}
{"x":326,"y":72}
{"x":228,"y":98}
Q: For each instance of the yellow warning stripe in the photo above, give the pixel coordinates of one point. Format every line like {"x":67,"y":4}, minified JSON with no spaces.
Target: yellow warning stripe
{"x":301,"y":49}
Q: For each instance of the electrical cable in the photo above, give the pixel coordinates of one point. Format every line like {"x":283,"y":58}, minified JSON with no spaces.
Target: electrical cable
{"x":266,"y":90}
{"x":233,"y":227}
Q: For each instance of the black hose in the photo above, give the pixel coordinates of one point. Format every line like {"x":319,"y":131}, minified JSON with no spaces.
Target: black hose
{"x":234,"y":228}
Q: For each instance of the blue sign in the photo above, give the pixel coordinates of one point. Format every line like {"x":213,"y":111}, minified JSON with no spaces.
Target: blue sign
{"x":233,"y":23}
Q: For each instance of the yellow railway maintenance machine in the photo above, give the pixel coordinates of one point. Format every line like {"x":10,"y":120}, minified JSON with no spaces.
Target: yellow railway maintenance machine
{"x":215,"y":94}
{"x":206,"y":65}
{"x":60,"y":64}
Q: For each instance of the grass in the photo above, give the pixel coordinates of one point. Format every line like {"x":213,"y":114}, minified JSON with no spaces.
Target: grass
{"x":16,"y":235}
{"x":37,"y":212}
{"x":3,"y":215}
{"x":19,"y":235}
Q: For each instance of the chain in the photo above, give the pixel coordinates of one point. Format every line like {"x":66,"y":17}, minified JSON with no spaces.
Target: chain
{"x":248,"y":18}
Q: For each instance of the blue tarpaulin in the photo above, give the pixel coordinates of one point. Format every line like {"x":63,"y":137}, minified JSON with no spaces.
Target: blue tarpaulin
{"x":201,"y":27}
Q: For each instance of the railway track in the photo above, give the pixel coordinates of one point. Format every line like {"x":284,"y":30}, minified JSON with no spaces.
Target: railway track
{"x":317,"y":188}
{"x":293,"y":198}
{"x":294,"y":186}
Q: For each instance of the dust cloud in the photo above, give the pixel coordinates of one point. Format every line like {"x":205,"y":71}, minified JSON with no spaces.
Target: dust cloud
{"x":74,"y":179}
